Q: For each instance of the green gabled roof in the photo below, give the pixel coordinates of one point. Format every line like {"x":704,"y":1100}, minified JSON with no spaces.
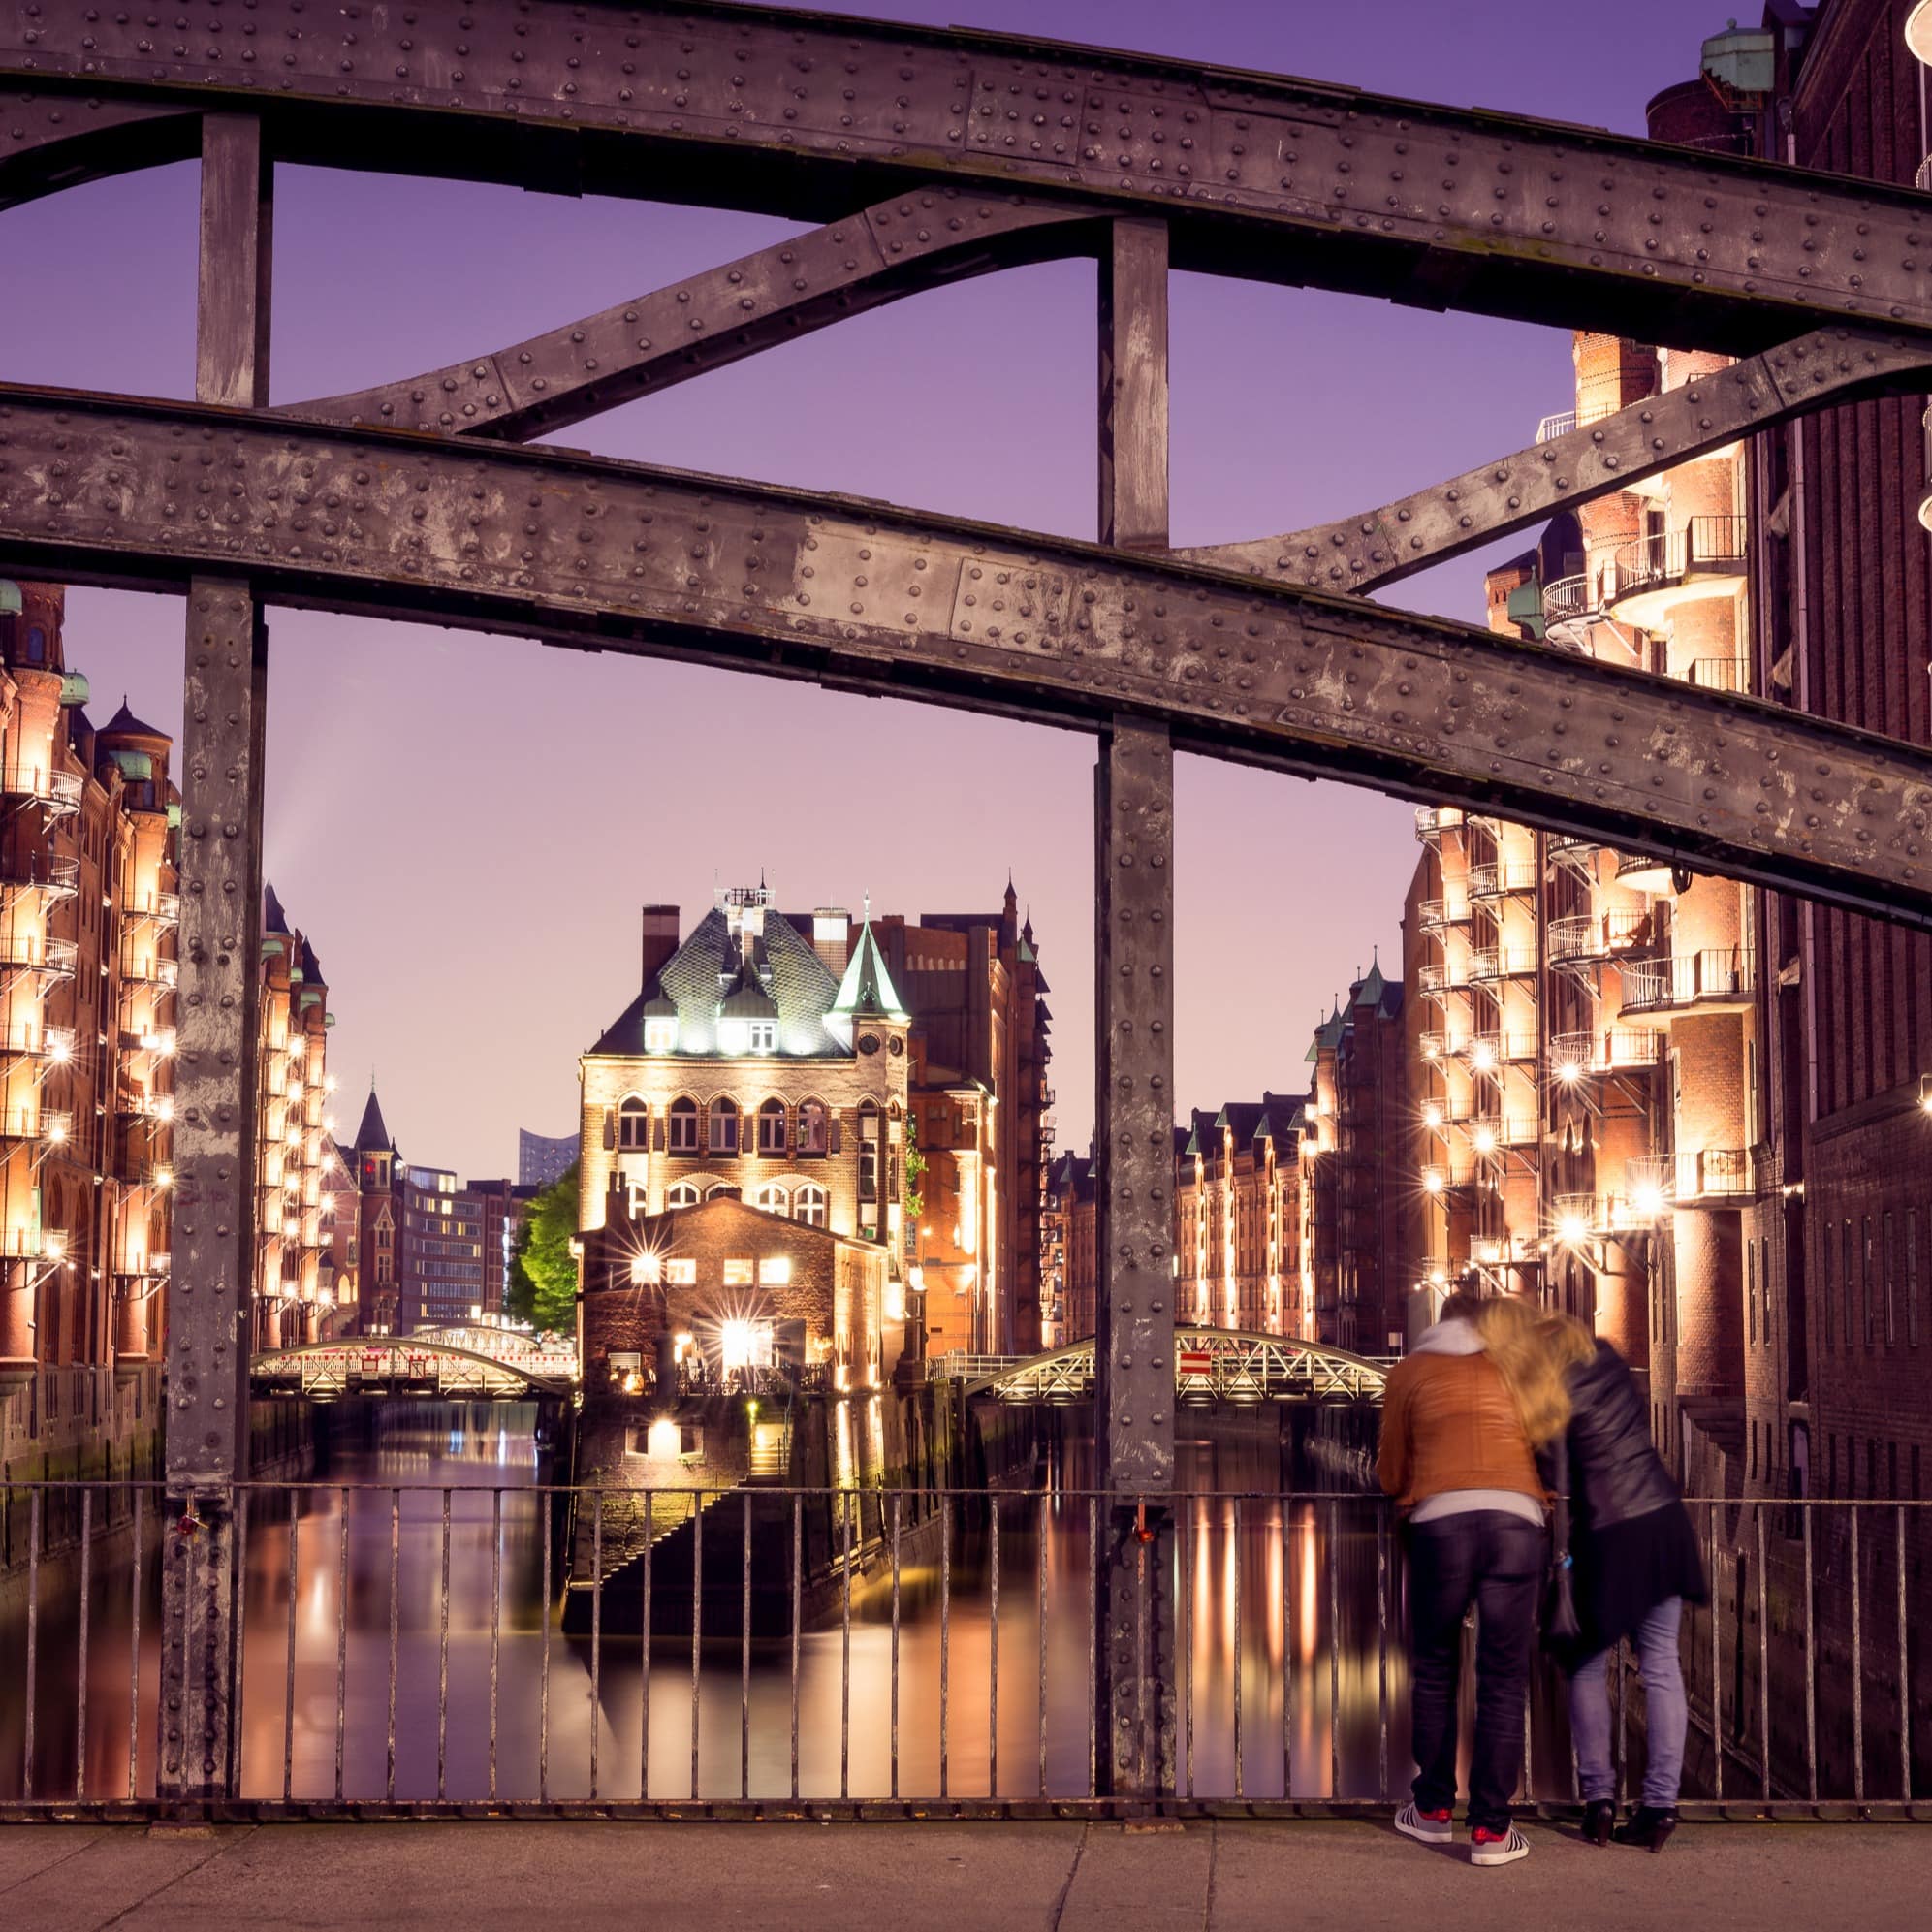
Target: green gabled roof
{"x":1369,"y":989}
{"x":867,"y":990}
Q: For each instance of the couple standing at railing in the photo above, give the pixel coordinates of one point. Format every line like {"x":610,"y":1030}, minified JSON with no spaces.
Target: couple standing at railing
{"x":1500,"y":1421}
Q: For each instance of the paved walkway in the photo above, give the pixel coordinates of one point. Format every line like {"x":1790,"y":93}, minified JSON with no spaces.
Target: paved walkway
{"x":954,"y":1878}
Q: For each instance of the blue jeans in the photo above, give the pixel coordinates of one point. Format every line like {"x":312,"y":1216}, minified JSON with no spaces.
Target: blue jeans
{"x":1667,"y":1713}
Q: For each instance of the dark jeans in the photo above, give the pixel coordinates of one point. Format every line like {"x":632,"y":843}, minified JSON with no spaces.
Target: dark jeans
{"x":1495,"y":1561}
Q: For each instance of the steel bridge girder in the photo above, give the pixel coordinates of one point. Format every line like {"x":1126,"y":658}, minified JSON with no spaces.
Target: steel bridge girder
{"x":860,"y":595}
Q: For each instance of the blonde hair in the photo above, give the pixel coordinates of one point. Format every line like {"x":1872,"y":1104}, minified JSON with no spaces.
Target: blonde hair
{"x":1533,"y":1352}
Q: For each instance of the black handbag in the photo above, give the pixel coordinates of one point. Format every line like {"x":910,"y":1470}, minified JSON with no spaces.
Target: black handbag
{"x":1561,"y":1628}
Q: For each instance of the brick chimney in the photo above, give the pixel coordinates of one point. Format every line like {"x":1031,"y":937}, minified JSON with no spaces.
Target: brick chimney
{"x":660,"y":939}
{"x":831,"y":937}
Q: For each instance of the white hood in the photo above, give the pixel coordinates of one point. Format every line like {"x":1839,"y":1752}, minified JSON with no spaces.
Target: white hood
{"x":1450,"y":1338}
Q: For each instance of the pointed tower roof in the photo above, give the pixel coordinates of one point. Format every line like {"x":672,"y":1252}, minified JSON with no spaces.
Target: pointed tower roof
{"x":124,"y":723}
{"x":867,"y":987}
{"x":1369,"y":988}
{"x":372,"y":1136}
{"x":274,"y":918}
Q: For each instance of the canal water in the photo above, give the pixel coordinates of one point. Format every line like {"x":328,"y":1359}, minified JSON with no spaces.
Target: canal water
{"x":1297,"y":1601}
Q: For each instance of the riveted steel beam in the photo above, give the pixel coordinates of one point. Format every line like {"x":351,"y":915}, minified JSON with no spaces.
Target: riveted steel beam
{"x":1375,"y":546}
{"x":865,"y":595}
{"x":210,"y":1315}
{"x":892,"y":249}
{"x":810,"y":115}
{"x":1133,"y":1342}
{"x":53,"y":138}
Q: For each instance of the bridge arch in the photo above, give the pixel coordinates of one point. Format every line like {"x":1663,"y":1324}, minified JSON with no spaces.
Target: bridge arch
{"x":1209,"y":1365}
{"x":381,"y":1364}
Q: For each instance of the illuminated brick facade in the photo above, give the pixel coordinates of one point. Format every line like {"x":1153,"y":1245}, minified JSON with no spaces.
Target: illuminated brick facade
{"x":842,"y":1079}
{"x":87,"y":919}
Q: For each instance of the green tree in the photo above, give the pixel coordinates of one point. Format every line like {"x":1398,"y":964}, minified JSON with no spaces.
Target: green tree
{"x":543,"y":1271}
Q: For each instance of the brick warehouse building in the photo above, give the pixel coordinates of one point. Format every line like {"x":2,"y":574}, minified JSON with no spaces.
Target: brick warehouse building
{"x":840,"y":1081}
{"x":88,"y":912}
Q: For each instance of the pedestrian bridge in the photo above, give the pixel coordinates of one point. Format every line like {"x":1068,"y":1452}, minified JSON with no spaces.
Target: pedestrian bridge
{"x":1209,"y":1365}
{"x":408,"y":1365}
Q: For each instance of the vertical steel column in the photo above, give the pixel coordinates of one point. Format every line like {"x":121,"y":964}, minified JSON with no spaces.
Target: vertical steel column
{"x":1133,"y":1022}
{"x":211,"y":1315}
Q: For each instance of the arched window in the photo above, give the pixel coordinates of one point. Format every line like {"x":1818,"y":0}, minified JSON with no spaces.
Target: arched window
{"x":683,"y":1195}
{"x":811,"y":1133}
{"x":771,"y":1127}
{"x":723,"y":1191}
{"x":683,"y":1125}
{"x":633,"y":1122}
{"x":809,"y":1206}
{"x":772,"y":1200}
{"x":36,"y":645}
{"x":724,"y":1127}
{"x":868,"y":1151}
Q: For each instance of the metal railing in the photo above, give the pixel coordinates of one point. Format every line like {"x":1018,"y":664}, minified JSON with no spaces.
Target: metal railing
{"x":1433,"y":820}
{"x":1486,"y":1053}
{"x":1502,"y":962}
{"x":1707,"y":545}
{"x":1721,"y":674}
{"x":1596,"y":936}
{"x":1560,"y":424}
{"x":659,"y":1646}
{"x":1607,"y":1050}
{"x":1714,"y":973}
{"x":1496,"y":876}
{"x":60,"y":791}
{"x":35,"y":952}
{"x":57,"y":876}
{"x":1690,"y":1175}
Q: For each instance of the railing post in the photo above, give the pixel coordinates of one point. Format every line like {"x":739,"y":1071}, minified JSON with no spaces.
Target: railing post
{"x":211,"y":1316}
{"x":1134,"y":1352}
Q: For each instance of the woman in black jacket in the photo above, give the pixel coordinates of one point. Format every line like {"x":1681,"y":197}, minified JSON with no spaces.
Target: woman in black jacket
{"x":1635,"y":1556}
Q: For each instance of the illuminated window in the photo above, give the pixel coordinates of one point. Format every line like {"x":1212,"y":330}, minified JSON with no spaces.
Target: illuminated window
{"x":809,"y":1207}
{"x":764,"y":1036}
{"x":683,"y":1195}
{"x":680,"y":1274}
{"x":724,"y":1127}
{"x":771,"y":1127}
{"x":737,"y":1273}
{"x":721,"y":1190}
{"x":660,"y":1033}
{"x":770,"y":1200}
{"x":683,"y":1126}
{"x":868,"y":1153}
{"x":633,"y":1122}
{"x":811,"y":1127}
{"x":774,"y":1271}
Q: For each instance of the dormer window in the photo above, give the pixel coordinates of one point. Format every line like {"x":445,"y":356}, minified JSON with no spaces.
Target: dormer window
{"x":660,"y":1035}
{"x":764,"y":1036}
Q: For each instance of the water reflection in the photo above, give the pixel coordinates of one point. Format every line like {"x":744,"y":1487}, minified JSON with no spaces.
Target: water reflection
{"x":1280,"y":1618}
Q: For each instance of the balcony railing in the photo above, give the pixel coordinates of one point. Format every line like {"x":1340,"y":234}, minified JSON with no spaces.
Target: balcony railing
{"x":1499,"y":877}
{"x":47,"y":1124}
{"x":59,"y":791}
{"x":134,"y":1102}
{"x":1433,"y":820}
{"x":35,"y":952}
{"x":1435,"y":913}
{"x":1718,"y":975}
{"x":150,"y":970}
{"x":1571,"y":1056}
{"x":1561,"y":424}
{"x":1721,"y":674}
{"x":166,"y":911}
{"x":158,"y":1040}
{"x":1487,"y":963}
{"x":24,"y":1036}
{"x":1490,"y":1133}
{"x":1707,"y":547}
{"x":1485,"y":1053}
{"x":1565,"y":601}
{"x":57,"y":877}
{"x":1596,"y":936}
{"x":1656,"y":1181}
{"x":153,"y":1267}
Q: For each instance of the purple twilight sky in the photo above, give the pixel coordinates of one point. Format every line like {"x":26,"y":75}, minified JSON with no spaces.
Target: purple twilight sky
{"x":465,"y":826}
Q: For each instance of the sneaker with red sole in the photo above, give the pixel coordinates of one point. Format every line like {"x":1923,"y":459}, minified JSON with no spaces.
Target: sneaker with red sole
{"x":1433,"y":1827}
{"x":1496,"y":1848}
